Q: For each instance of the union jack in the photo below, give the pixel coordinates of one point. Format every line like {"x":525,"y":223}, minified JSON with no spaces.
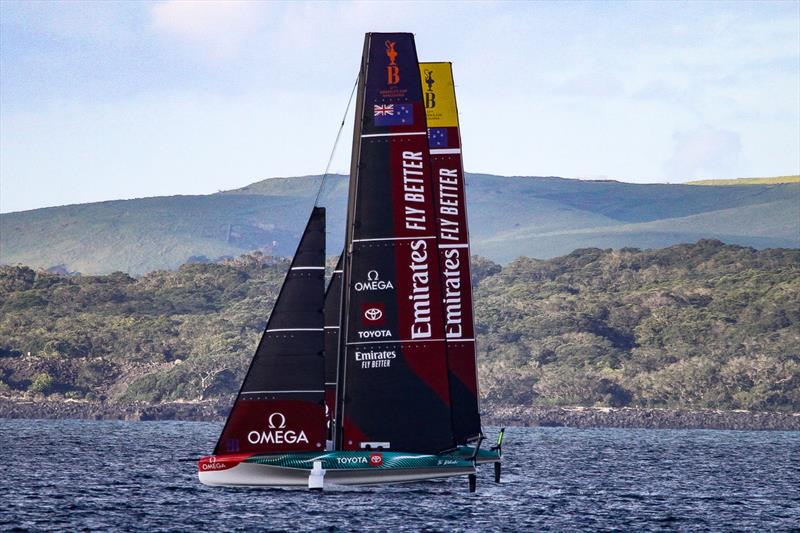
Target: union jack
{"x":384,"y":110}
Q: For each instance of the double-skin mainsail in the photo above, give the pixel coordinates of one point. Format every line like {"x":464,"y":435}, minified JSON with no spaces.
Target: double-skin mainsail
{"x":394,"y":391}
{"x":451,"y":225}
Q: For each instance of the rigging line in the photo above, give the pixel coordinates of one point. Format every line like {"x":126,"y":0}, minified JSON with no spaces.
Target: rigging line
{"x":336,"y":142}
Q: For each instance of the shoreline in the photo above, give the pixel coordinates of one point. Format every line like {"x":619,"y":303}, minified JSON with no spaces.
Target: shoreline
{"x":528,"y":416}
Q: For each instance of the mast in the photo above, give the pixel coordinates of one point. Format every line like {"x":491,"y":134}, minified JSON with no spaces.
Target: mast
{"x":393,"y":380}
{"x":333,"y":302}
{"x":280,"y":406}
{"x":447,"y":167}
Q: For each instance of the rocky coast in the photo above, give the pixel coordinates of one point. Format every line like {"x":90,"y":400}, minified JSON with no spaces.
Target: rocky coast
{"x":542,"y":416}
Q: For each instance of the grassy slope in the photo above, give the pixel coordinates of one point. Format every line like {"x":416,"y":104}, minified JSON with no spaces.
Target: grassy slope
{"x":509,"y":217}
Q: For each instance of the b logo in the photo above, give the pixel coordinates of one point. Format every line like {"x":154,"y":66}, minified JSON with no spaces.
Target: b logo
{"x":392,"y":70}
{"x":376,"y":459}
{"x":430,"y":96}
{"x":277,"y":421}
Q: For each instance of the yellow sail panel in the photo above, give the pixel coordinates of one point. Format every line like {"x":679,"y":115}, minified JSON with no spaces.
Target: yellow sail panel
{"x":439,"y":94}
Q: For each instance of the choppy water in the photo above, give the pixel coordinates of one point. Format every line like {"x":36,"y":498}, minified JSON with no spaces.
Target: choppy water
{"x":81,"y":475}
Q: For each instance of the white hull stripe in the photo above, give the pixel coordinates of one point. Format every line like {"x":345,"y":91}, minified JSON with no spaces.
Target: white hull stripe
{"x":460,"y":340}
{"x":337,"y":271}
{"x":367,"y":135}
{"x":396,"y":239}
{"x":436,"y":151}
{"x":396,"y":342}
{"x":331,"y":327}
{"x":454,"y":246}
{"x":280,"y":391}
{"x":293,"y":329}
{"x":308,"y":268}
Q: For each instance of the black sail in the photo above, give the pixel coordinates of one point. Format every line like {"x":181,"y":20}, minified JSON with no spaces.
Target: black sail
{"x":394,"y":391}
{"x":333,"y":306}
{"x":280,"y":406}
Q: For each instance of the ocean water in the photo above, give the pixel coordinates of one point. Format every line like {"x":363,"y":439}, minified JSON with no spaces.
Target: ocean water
{"x":72,"y":475}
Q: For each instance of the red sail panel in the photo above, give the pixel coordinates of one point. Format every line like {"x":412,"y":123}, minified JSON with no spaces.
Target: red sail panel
{"x":394,"y":389}
{"x":454,"y":255}
{"x":333,"y":306}
{"x":280,"y":407}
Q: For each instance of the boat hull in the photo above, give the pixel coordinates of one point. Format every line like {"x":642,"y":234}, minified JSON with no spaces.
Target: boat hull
{"x":484,"y":456}
{"x":340,"y":468}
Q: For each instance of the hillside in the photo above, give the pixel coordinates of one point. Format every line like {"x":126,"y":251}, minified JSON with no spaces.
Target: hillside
{"x":509,"y":217}
{"x":705,"y":325}
{"x":747,"y":181}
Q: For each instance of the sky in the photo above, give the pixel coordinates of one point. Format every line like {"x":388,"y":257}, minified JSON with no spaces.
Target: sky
{"x":111,"y":100}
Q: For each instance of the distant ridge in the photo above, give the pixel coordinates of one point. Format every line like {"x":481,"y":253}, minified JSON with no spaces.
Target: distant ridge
{"x":540,"y":217}
{"x":748,"y":181}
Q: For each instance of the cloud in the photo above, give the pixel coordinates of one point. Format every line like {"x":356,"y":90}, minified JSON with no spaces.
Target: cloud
{"x":218,"y":28}
{"x":704,"y":152}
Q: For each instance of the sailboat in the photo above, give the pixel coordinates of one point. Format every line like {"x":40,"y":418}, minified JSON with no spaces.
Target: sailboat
{"x":372,"y":380}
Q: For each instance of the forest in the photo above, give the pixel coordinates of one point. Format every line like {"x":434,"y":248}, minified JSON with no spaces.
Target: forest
{"x":704,"y":325}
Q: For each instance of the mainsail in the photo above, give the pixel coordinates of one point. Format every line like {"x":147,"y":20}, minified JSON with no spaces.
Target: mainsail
{"x":280,"y":406}
{"x":394,"y":392}
{"x":333,"y":303}
{"x":451,"y":216}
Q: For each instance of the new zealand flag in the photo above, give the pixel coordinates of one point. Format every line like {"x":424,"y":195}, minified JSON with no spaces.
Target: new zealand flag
{"x":393,"y":114}
{"x":437,"y":137}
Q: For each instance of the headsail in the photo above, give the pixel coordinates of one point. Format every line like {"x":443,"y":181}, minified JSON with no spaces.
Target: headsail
{"x":280,"y":406}
{"x":333,"y":303}
{"x":451,"y":215}
{"x":394,"y":389}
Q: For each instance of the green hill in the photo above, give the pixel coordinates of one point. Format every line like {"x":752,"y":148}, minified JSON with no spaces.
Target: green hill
{"x":702,"y":325}
{"x":509,"y":217}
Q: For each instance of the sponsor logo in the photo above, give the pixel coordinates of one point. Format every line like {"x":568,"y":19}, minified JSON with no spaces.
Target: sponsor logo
{"x":277,"y":434}
{"x":420,"y":290}
{"x":373,"y":314}
{"x":416,"y":219}
{"x":448,"y":201}
{"x":392,"y":70}
{"x":376,"y":459}
{"x":453,"y":296}
{"x":375,"y":358}
{"x":414,"y":192}
{"x":374,"y":334}
{"x":361,"y":460}
{"x":373,"y":283}
{"x":375,"y":355}
{"x":213,"y":466}
{"x":277,"y":420}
